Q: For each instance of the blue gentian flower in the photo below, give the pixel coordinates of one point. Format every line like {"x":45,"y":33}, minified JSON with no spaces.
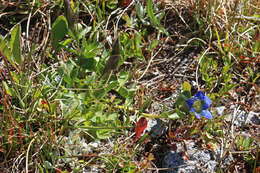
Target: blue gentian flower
{"x":199,"y":105}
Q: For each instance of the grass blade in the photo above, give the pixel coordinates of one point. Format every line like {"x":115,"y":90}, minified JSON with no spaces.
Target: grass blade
{"x":16,"y":44}
{"x":153,"y":18}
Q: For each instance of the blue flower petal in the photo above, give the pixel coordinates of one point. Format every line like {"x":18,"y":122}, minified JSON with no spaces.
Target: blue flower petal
{"x":189,"y":103}
{"x":206,"y":102}
{"x":206,"y":114}
{"x":197,"y":115}
{"x":192,"y":110}
{"x":199,"y":95}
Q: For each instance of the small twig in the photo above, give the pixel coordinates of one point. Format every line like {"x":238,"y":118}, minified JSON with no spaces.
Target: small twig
{"x":120,"y":16}
{"x":173,"y":7}
{"x":114,"y":12}
{"x":173,"y":167}
{"x":149,"y":63}
{"x":28,"y":25}
{"x":27,"y":155}
{"x":53,"y":65}
{"x":233,"y":119}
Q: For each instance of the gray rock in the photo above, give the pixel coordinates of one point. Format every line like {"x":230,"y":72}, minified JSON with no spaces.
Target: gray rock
{"x":173,"y":160}
{"x":253,"y":117}
{"x":156,"y":128}
{"x":200,"y":160}
{"x":220,"y":110}
{"x":241,"y":118}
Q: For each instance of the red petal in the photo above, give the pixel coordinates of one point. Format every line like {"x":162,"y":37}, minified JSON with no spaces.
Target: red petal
{"x":43,"y":102}
{"x":140,"y":127}
{"x":125,"y":3}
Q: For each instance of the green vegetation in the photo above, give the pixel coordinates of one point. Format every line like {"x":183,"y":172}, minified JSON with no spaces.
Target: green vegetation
{"x":74,"y":74}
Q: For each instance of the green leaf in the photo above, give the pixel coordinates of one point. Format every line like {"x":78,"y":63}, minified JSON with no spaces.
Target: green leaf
{"x":181,"y":101}
{"x":16,"y":44}
{"x":15,"y":76}
{"x":146,"y":104}
{"x":186,"y":86}
{"x":153,"y":18}
{"x":142,"y":138}
{"x":87,"y":63}
{"x":66,"y":42}
{"x":37,"y":93}
{"x":7,"y":89}
{"x":59,"y":30}
{"x":112,"y":4}
{"x":90,"y":49}
{"x":123,"y":78}
{"x":100,"y":93}
{"x":127,"y":19}
{"x":111,"y":85}
{"x":123,"y":92}
{"x":245,"y":142}
{"x":104,"y":134}
{"x":174,"y":116}
{"x":140,"y":10}
{"x":6,"y":51}
{"x":153,"y":45}
{"x":83,"y":32}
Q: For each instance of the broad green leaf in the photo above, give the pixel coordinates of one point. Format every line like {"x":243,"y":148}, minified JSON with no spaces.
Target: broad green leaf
{"x":181,"y":101}
{"x":90,"y":49}
{"x":111,"y":85}
{"x":59,"y":30}
{"x":83,"y":32}
{"x":5,"y":48}
{"x":140,"y":10}
{"x":87,"y":63}
{"x":186,"y":86}
{"x":153,"y":18}
{"x":123,"y":92}
{"x":16,"y":44}
{"x":100,"y":93}
{"x":123,"y":78}
{"x":6,"y":51}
